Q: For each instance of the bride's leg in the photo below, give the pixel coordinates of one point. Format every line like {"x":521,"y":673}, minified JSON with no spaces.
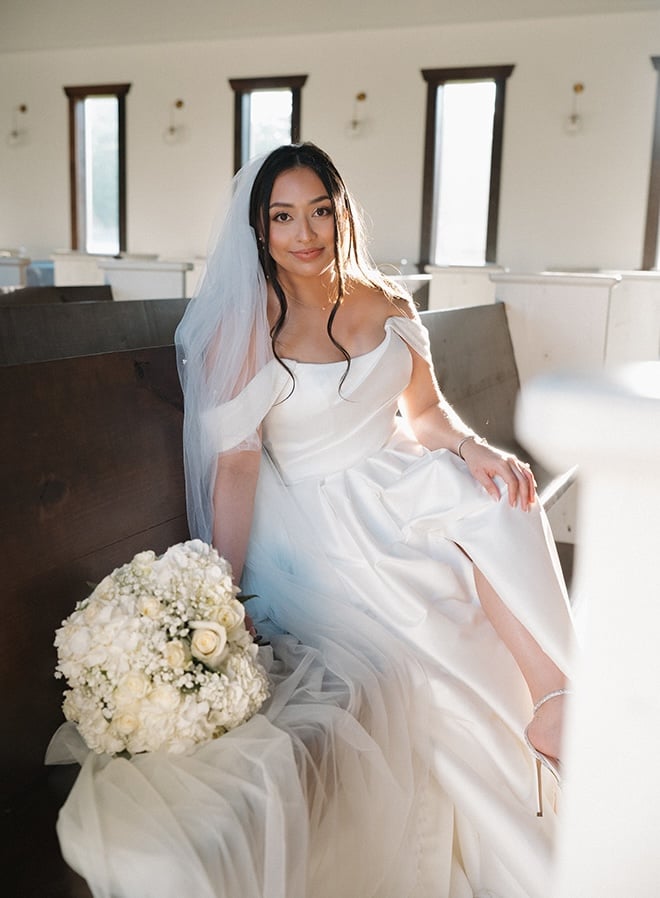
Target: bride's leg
{"x":541,"y":674}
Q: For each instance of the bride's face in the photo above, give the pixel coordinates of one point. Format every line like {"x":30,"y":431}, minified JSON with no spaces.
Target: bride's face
{"x":302,"y":224}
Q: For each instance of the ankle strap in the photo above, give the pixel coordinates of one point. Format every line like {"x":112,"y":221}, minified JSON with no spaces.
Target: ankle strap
{"x":546,"y":698}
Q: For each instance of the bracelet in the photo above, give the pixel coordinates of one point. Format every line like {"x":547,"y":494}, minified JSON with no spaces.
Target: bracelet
{"x":472,"y":436}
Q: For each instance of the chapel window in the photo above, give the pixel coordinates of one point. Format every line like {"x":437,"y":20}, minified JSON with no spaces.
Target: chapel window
{"x":651,"y":256}
{"x":266,"y":114}
{"x":462,"y":164}
{"x":97,"y":161}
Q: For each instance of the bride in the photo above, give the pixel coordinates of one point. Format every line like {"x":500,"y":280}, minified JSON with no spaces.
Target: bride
{"x":402,"y":580}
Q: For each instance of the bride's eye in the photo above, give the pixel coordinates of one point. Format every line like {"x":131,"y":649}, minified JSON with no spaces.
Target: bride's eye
{"x":281,"y":216}
{"x":323,"y":211}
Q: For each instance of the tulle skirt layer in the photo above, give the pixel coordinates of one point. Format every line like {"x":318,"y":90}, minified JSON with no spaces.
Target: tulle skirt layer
{"x":285,"y":806}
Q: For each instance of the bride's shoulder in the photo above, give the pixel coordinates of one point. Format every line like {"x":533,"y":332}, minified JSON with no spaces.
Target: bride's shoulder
{"x":376,"y":301}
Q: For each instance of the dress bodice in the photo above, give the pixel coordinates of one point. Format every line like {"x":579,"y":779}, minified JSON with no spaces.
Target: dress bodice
{"x":319,"y":427}
{"x":322,"y":427}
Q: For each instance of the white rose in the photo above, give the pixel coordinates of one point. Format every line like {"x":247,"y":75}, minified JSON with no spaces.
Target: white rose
{"x":208,"y":642}
{"x":177,"y":654}
{"x":144,"y":559}
{"x":149,"y":606}
{"x":230,"y":615}
{"x":131,"y":688}
{"x":126,"y":721}
{"x":165,"y":697}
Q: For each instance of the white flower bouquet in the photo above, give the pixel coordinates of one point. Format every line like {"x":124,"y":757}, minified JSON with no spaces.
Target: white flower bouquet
{"x":158,"y":656}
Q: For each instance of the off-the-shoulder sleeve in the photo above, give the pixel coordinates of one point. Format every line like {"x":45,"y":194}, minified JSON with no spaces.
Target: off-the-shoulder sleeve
{"x":414,"y":333}
{"x":232,"y":423}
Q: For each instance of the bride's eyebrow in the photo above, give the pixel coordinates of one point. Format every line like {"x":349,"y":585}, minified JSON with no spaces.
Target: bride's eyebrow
{"x":318,"y":199}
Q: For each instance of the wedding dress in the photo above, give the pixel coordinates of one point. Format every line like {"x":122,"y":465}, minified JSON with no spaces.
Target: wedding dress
{"x":389,"y":761}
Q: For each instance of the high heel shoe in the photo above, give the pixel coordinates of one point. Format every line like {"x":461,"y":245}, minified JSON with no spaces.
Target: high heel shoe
{"x":542,"y":760}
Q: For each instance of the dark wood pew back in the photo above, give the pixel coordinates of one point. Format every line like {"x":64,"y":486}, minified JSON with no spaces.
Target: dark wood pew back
{"x":38,"y":333}
{"x":92,"y":473}
{"x":24,"y":296}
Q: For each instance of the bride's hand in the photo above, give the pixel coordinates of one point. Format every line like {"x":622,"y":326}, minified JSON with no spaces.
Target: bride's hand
{"x":486,"y":463}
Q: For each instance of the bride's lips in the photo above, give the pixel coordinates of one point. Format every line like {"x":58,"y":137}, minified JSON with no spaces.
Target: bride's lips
{"x":306,"y":255}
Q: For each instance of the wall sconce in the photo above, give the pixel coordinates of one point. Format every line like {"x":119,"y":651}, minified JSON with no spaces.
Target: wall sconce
{"x":175,"y":131}
{"x":573,"y":123}
{"x":17,"y":135}
{"x":356,"y":125}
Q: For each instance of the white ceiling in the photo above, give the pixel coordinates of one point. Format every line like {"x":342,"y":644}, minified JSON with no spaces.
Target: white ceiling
{"x":50,"y":24}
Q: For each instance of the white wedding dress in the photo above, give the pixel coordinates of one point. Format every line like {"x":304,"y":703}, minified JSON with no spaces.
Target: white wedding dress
{"x":390,"y":761}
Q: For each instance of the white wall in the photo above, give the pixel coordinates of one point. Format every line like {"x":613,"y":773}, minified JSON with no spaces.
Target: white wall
{"x":566,"y":201}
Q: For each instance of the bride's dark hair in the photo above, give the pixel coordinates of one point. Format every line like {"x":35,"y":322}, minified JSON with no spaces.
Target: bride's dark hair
{"x":351,"y":259}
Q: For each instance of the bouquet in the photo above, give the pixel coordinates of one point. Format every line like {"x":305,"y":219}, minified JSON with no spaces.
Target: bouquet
{"x":158,"y":656}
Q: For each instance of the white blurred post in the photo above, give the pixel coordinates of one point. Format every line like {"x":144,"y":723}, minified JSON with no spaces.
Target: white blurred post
{"x":144,"y":277}
{"x":609,"y":839}
{"x":460,"y":286}
{"x":13,"y":269}
{"x":72,"y":268}
{"x":556,"y":320}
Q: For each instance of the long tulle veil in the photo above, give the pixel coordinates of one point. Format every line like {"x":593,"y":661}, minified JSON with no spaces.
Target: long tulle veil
{"x":222,"y":342}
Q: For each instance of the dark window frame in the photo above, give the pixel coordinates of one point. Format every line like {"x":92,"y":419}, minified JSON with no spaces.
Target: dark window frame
{"x":436,"y":78}
{"x":245,"y":86}
{"x":650,"y":256}
{"x":76,"y":95}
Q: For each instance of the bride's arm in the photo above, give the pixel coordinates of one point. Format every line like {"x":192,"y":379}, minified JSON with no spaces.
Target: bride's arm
{"x":233,"y":503}
{"x":437,"y":426}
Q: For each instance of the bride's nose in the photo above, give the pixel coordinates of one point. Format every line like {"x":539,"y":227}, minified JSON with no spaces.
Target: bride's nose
{"x":306,"y":231}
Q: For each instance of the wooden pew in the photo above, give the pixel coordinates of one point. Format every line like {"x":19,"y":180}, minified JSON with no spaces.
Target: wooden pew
{"x":92,"y":473}
{"x":476,"y":369}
